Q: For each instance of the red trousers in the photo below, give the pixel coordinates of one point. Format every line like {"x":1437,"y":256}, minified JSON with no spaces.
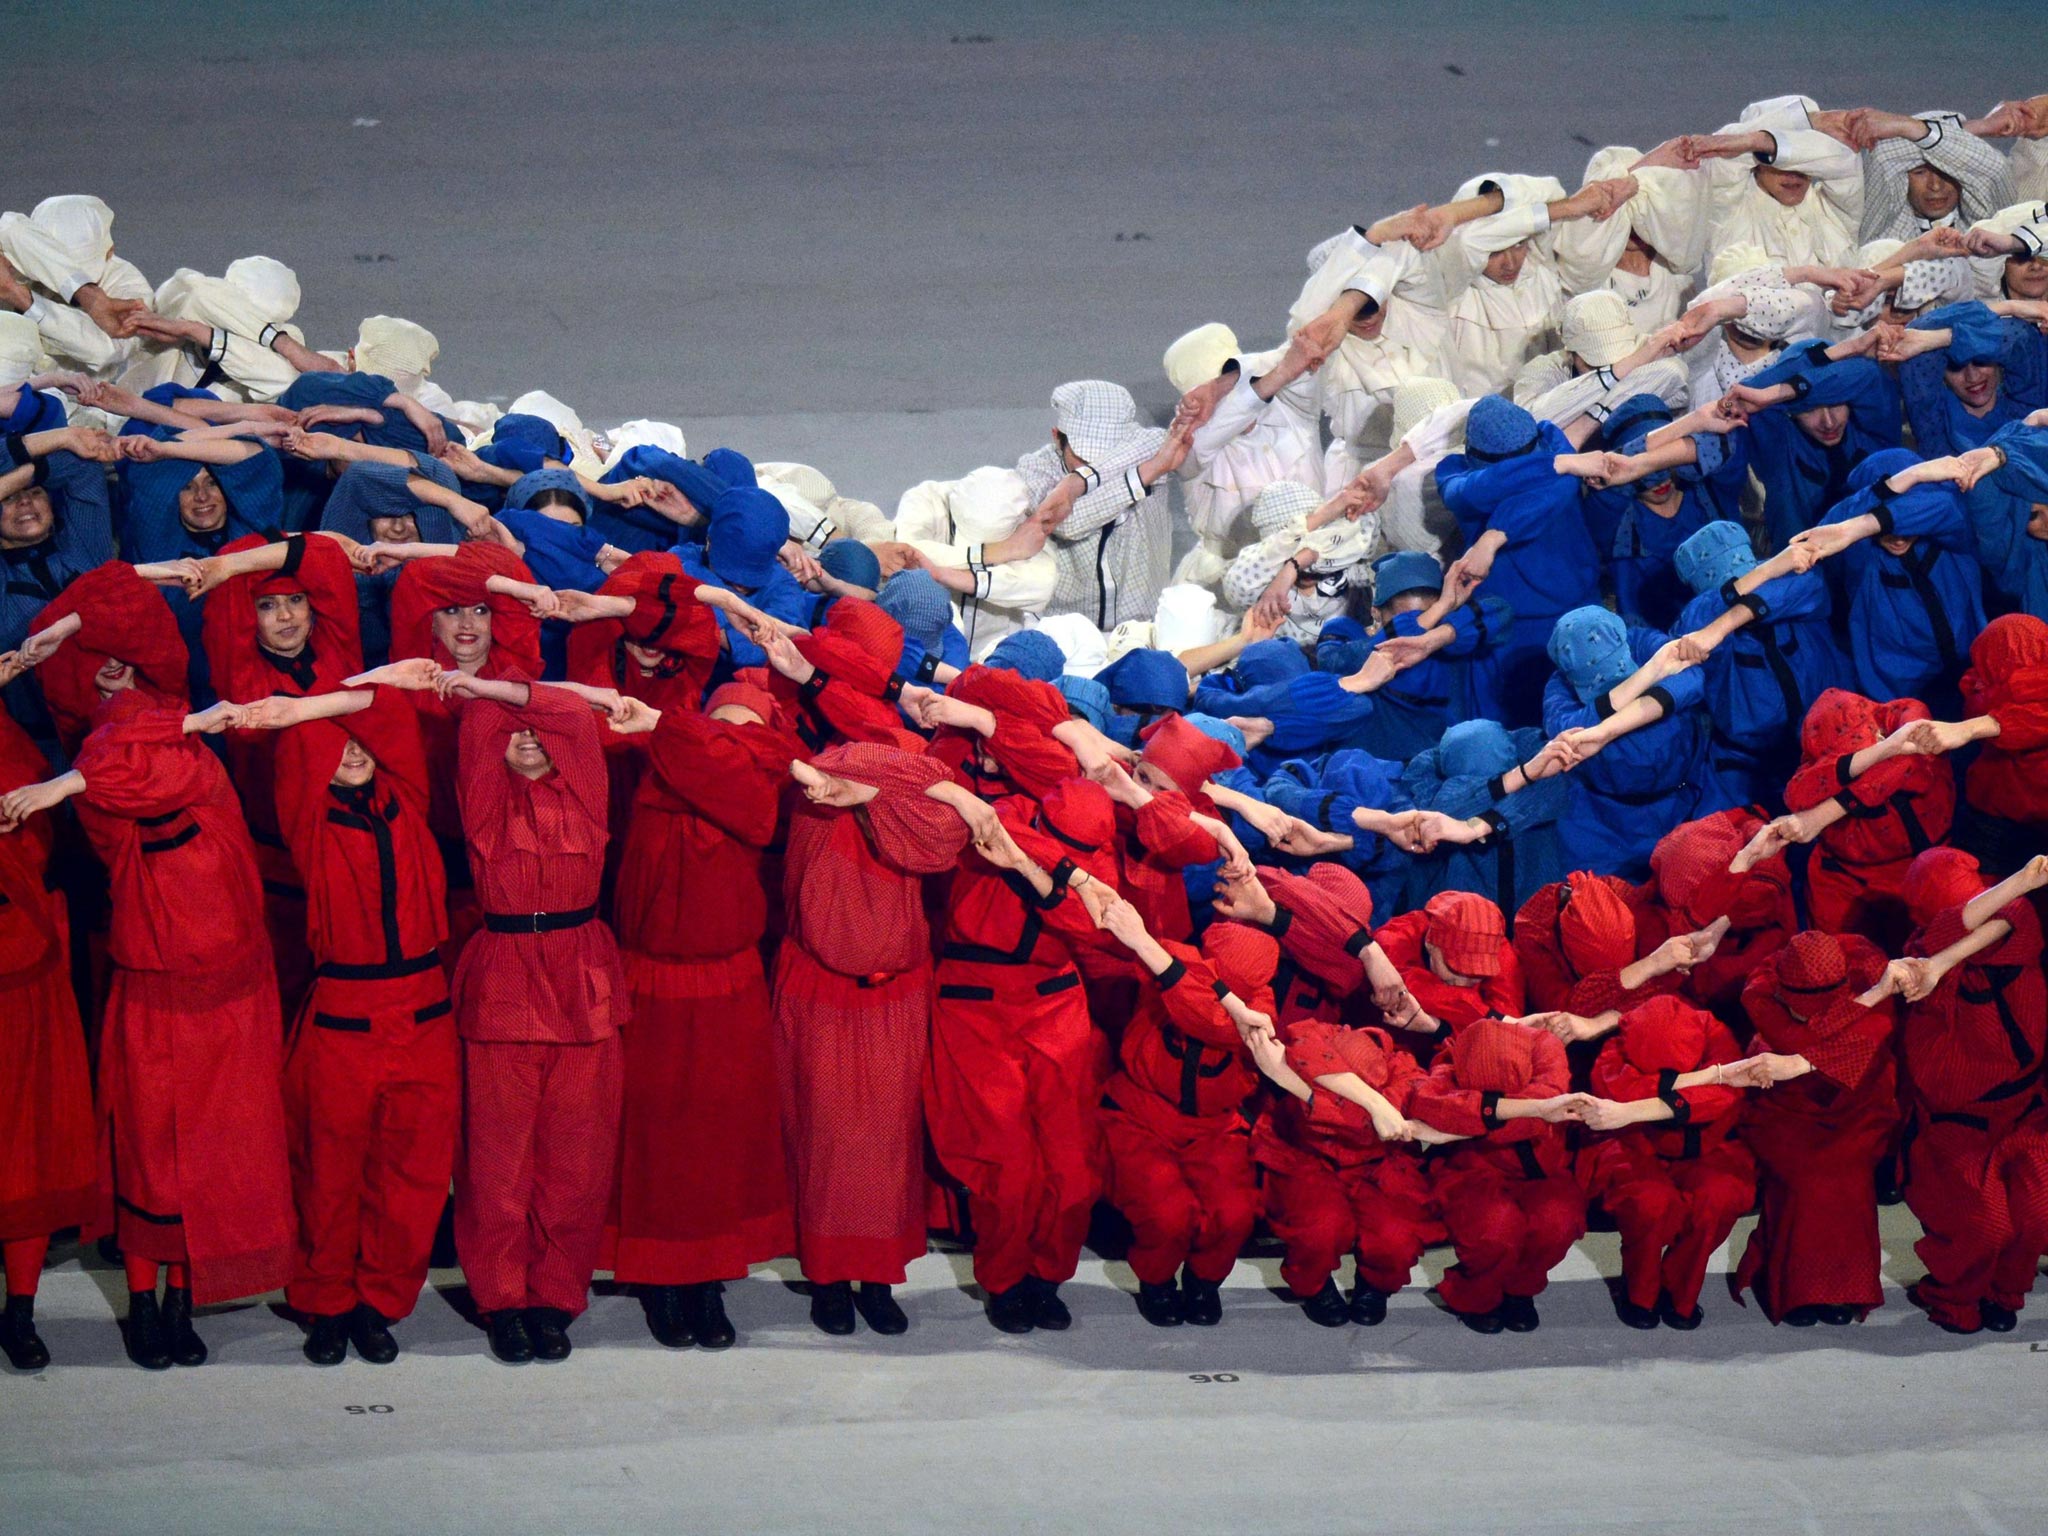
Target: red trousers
{"x":1982,"y":1198}
{"x":540,"y":1134}
{"x":1009,"y":1094}
{"x":371,"y":1105}
{"x":1509,"y":1231}
{"x":1184,"y":1184}
{"x":284,"y":916}
{"x":1672,"y":1213}
{"x":1378,"y":1210}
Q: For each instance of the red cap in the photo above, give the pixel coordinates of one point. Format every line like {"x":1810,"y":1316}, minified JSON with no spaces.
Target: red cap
{"x":1468,"y":931}
{"x":743,"y":695}
{"x":1494,"y":1055}
{"x":1666,"y":1034}
{"x":1185,"y":755}
{"x":1594,"y":924}
{"x":1245,"y":958}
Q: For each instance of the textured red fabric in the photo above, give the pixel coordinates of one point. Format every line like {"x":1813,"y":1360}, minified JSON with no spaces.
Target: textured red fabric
{"x":1594,"y":925}
{"x":1510,"y":1231}
{"x":1671,"y":1213}
{"x":1982,"y":1201}
{"x":666,"y":617}
{"x":1380,"y":1212}
{"x":1976,"y":1044}
{"x":1456,"y":1006}
{"x":743,"y":695}
{"x":2008,"y":680}
{"x":122,"y":618}
{"x":1550,"y":971}
{"x":457,"y":581}
{"x":1468,"y":931}
{"x":1185,"y":755}
{"x":540,"y":1134}
{"x":1938,"y":879}
{"x":1186,"y":1188}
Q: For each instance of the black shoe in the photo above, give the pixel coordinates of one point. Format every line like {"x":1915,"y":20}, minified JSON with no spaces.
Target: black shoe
{"x":1047,"y":1310}
{"x":1631,"y":1314}
{"x":704,"y":1312}
{"x":1518,"y":1314}
{"x":1327,"y":1308}
{"x":1998,"y":1319}
{"x":1801,"y":1317}
{"x":371,"y":1335}
{"x":510,"y":1341}
{"x":1201,"y":1301}
{"x":1368,"y":1306}
{"x":1481,"y":1322}
{"x":327,"y":1339}
{"x":24,"y":1347}
{"x":1160,"y":1305}
{"x":187,"y":1348}
{"x":1011,"y":1310}
{"x":878,"y":1305}
{"x":548,"y":1327}
{"x":146,"y":1342}
{"x":832,"y":1307}
{"x":1839,"y":1316}
{"x":667,"y":1316}
{"x":1669,"y":1315}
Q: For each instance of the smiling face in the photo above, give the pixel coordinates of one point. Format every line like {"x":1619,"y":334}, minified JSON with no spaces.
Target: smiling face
{"x":26,"y":518}
{"x":1370,"y":322}
{"x":2026,"y":277}
{"x":464,"y":632}
{"x":1660,"y":495}
{"x":1826,"y":424}
{"x":1785,"y":187}
{"x":357,"y":767}
{"x":1976,"y":385}
{"x":526,"y":756}
{"x":1893,"y":544}
{"x":112,"y":677}
{"x":1930,"y":193}
{"x":402,"y":529}
{"x":646,"y":661}
{"x":284,"y":622}
{"x":201,"y":506}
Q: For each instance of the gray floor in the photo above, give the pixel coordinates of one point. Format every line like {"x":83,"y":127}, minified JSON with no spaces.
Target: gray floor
{"x":1416,"y":1426}
{"x":875,"y":239}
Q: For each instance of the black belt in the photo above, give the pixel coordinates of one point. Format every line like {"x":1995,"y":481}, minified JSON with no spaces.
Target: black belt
{"x":385,"y":970}
{"x":538,"y":922}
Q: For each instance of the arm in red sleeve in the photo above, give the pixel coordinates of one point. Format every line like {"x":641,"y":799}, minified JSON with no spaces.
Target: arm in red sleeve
{"x":330,"y":583}
{"x":711,"y":768}
{"x":1438,"y":1101}
{"x":913,"y":833}
{"x":1322,"y":941}
{"x":143,"y":764}
{"x":1167,"y":831}
{"x":1190,"y":991}
{"x":1503,"y":990}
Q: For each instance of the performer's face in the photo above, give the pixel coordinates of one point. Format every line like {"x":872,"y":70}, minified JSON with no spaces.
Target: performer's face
{"x":526,"y":756}
{"x":402,"y":529}
{"x":113,"y":676}
{"x":201,"y":507}
{"x":357,"y":767}
{"x":464,"y":632}
{"x":1826,"y":424}
{"x":284,"y":622}
{"x":645,"y":658}
{"x":26,"y":518}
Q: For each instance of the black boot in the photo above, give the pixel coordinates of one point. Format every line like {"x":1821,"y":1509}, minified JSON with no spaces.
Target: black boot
{"x":510,"y":1341}
{"x":1160,"y":1305}
{"x":704,"y":1313}
{"x":1327,"y":1308}
{"x":879,"y":1306}
{"x":1518,"y":1314}
{"x":1481,"y":1322}
{"x":1801,"y":1317}
{"x":1998,"y":1319}
{"x":548,"y":1327}
{"x":1839,"y":1316}
{"x":1669,"y":1315}
{"x":1047,"y":1310}
{"x":371,"y":1335}
{"x":666,"y":1316}
{"x":327,"y":1340}
{"x":832,"y":1307}
{"x":1634,"y":1316}
{"x":19,"y":1340}
{"x":1011,"y":1310}
{"x":147,"y":1344}
{"x":187,"y":1348}
{"x":1201,"y":1301}
{"x":1368,"y":1305}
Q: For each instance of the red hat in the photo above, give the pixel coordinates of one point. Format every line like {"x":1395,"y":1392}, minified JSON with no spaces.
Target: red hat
{"x":1665,"y":1034}
{"x":1245,"y":959}
{"x":2008,"y":674}
{"x":1813,"y":973}
{"x":1839,"y":721}
{"x":1326,"y":893}
{"x":1468,"y":932}
{"x":1185,"y":755}
{"x":1938,"y":879}
{"x":858,"y":645}
{"x":1690,"y":868}
{"x":457,"y":581}
{"x":1006,"y":693}
{"x":122,"y":618}
{"x":743,"y":695}
{"x":1594,"y":924}
{"x":1494,"y":1055}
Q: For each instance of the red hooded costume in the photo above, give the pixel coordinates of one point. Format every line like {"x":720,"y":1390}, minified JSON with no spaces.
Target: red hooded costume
{"x":1323,"y":921}
{"x":2008,"y":680}
{"x":1690,"y":886}
{"x":1481,"y":952}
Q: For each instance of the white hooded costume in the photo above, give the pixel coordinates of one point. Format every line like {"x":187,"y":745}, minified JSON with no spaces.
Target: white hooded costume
{"x":64,"y":244}
{"x":1819,"y":230}
{"x":950,"y":521}
{"x":1668,"y":213}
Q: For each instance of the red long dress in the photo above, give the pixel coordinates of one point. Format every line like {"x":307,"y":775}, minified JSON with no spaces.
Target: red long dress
{"x":241,"y":670}
{"x":48,"y":1178}
{"x":703,"y":1186}
{"x":852,"y":992}
{"x":192,"y":1121}
{"x":372,"y":1081}
{"x":539,"y":1002}
{"x":1818,"y":1138}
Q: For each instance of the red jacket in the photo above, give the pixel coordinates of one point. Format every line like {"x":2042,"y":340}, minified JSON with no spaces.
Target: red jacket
{"x":1181,"y":1054}
{"x":1975,"y":1046}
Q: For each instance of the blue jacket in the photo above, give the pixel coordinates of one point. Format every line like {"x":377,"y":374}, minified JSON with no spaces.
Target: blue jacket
{"x":1523,"y":851}
{"x":1940,"y":424}
{"x":1803,"y":478}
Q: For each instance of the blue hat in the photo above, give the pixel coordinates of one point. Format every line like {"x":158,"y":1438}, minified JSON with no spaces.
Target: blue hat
{"x":686,"y":475}
{"x":1476,"y":749}
{"x":1088,"y":699}
{"x":1341,"y":646}
{"x":528,"y":488}
{"x":748,"y":528}
{"x":1640,"y":443}
{"x":1881,"y":465}
{"x":1590,"y":647}
{"x":368,"y":489}
{"x":1714,"y":556}
{"x":1218,"y":730}
{"x":852,"y":562}
{"x":915,"y":600}
{"x":1270,"y":661}
{"x":730,"y":467}
{"x":1405,"y":570}
{"x":520,"y":442}
{"x":1636,"y":416}
{"x":1031,"y":652}
{"x":1146,"y":679}
{"x":1499,"y":429}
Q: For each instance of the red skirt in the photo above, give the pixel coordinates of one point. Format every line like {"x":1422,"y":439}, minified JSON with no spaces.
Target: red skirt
{"x":851,"y":1059}
{"x":48,"y":1177}
{"x":703,"y":1189}
{"x":1817,"y":1242}
{"x":192,"y":1131}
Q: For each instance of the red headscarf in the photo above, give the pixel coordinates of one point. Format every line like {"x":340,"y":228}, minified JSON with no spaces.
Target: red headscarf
{"x":1690,"y":868}
{"x":666,"y":617}
{"x":1324,"y":1050}
{"x":1494,"y":1056}
{"x":1184,"y":754}
{"x":124,"y":618}
{"x":858,"y":645}
{"x":1594,"y":924}
{"x":1665,"y":1034}
{"x":2008,"y":673}
{"x":457,"y":581}
{"x":1245,"y":960}
{"x":1938,"y":879}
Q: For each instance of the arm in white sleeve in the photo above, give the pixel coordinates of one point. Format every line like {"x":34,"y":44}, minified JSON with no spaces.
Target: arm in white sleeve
{"x":1235,"y":413}
{"x":1432,"y":438}
{"x":70,"y":334}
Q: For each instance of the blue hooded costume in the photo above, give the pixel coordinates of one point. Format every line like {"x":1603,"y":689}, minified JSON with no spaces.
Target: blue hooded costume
{"x":1802,"y":478}
{"x":366,"y":491}
{"x":748,"y":529}
{"x":1761,"y":680}
{"x":917,"y":602}
{"x":1645,"y":783}
{"x":1638,"y":539}
{"x":1941,"y":425}
{"x":1143,"y":685}
{"x":306,"y":485}
{"x":1910,"y":617}
{"x":80,"y":538}
{"x":2001,"y":506}
{"x":1414,"y":707}
{"x":1324,"y":791}
{"x":1460,"y":776}
{"x":1504,"y":482}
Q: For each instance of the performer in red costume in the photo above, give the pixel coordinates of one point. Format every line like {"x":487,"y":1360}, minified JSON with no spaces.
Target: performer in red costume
{"x":1454,"y":958}
{"x":47,"y":1177}
{"x":703,"y":1185}
{"x":1706,"y":870}
{"x":853,"y":1014}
